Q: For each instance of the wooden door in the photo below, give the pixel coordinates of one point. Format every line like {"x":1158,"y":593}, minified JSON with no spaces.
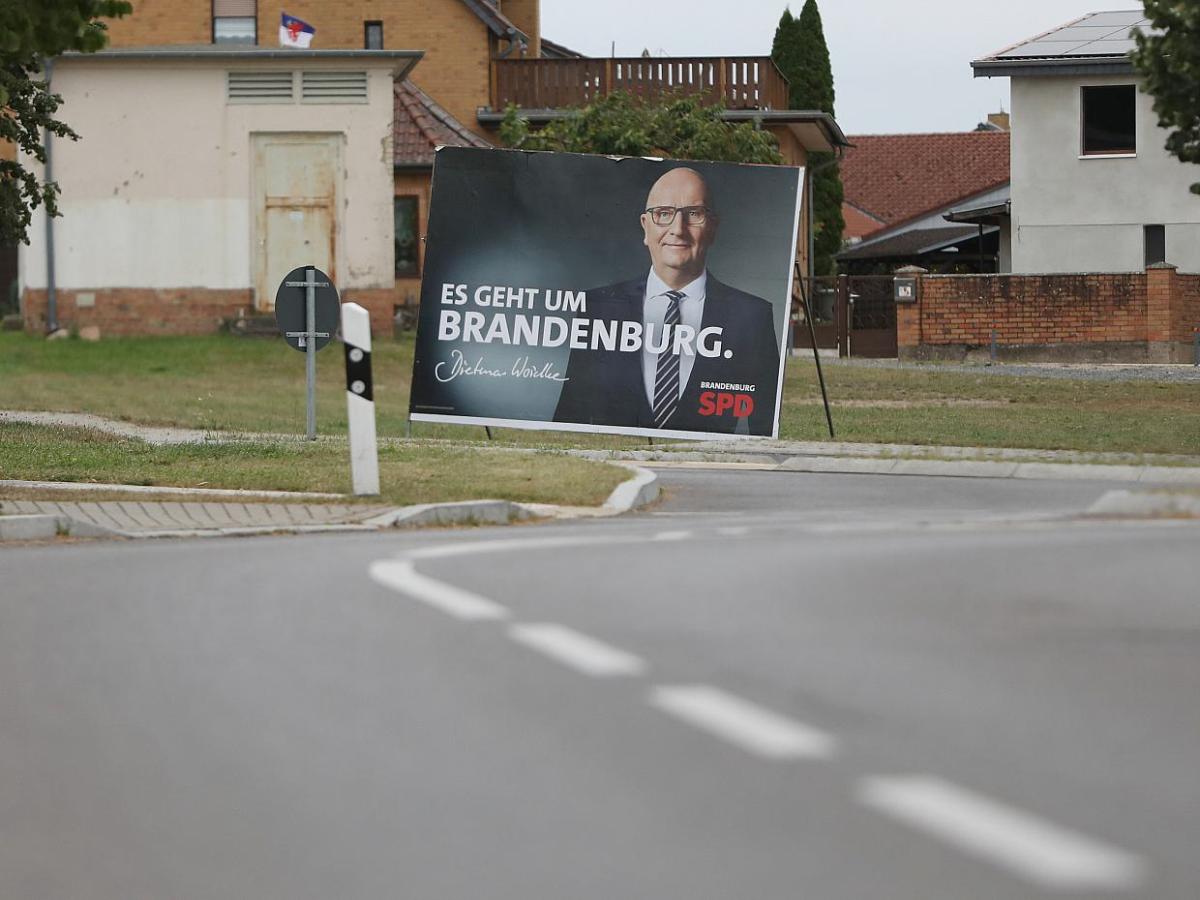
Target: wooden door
{"x":296,"y":178}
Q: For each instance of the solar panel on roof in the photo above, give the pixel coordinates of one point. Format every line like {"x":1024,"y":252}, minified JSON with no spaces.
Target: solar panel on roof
{"x":1109,"y":48}
{"x":1083,"y":33}
{"x":1122,"y":17}
{"x":1097,"y":34}
{"x":1040,"y":48}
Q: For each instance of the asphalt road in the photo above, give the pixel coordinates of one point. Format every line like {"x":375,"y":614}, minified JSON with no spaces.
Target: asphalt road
{"x":770,"y":685}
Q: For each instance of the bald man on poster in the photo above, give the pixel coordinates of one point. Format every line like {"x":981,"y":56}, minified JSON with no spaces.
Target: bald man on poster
{"x":678,"y":379}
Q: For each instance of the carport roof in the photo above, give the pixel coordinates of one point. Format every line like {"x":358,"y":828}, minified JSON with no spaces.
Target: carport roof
{"x":911,"y":243}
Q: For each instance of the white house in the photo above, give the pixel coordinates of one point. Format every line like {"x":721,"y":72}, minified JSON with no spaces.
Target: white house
{"x":203,"y":175}
{"x":1093,"y":189}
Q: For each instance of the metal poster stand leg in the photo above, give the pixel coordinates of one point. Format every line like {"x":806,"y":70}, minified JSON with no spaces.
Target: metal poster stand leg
{"x":812,"y":334}
{"x":408,"y":427}
{"x":488,"y":429}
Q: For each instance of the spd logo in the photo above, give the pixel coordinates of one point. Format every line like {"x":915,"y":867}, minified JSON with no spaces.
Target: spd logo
{"x":720,"y":403}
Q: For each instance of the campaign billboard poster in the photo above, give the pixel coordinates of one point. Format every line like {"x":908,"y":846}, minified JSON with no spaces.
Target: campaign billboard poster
{"x":617,"y":295}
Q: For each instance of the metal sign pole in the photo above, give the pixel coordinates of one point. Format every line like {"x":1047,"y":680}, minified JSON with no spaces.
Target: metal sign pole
{"x":310,"y":355}
{"x":812,"y":336}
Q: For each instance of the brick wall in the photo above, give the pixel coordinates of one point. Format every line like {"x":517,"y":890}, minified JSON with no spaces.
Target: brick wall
{"x":1187,"y":307}
{"x":526,"y":15}
{"x":457,"y":45}
{"x":140,"y":311}
{"x":146,"y":311}
{"x":1135,"y":317}
{"x":157,"y":23}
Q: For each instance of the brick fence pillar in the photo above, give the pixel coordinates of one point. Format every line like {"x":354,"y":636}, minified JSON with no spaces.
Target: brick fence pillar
{"x":908,"y":316}
{"x":1163,"y":296}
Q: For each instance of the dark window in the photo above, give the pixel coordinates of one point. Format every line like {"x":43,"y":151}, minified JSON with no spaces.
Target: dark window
{"x":373,"y":35}
{"x":1109,"y":119}
{"x":235,"y":21}
{"x":407,"y":236}
{"x":1155,"y":237}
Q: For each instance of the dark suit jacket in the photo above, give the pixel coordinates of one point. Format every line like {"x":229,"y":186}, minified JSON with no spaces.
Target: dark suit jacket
{"x":606,"y":387}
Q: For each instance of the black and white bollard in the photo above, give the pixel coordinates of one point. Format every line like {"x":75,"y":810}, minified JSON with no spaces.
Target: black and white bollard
{"x":360,"y":399}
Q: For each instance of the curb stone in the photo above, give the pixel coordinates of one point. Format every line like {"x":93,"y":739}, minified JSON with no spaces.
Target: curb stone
{"x":43,"y":527}
{"x":860,"y":465}
{"x":28,"y":528}
{"x":463,"y":512}
{"x":634,"y":492}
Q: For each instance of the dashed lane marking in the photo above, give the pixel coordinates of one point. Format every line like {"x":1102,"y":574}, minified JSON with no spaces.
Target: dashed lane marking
{"x":672,"y":536}
{"x":578,"y":651}
{"x":402,"y":576}
{"x":1049,"y":856}
{"x":745,"y":724}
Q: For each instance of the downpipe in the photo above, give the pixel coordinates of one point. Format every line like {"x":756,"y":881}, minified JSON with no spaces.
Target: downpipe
{"x":51,"y":286}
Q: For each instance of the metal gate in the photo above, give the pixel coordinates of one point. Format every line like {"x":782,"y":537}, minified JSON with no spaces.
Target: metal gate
{"x":854,"y":314}
{"x":872,"y":316}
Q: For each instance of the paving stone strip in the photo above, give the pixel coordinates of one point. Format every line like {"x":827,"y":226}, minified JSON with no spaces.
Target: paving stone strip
{"x":151,"y":517}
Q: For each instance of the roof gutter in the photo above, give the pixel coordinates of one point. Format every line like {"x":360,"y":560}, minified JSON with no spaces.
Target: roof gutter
{"x":980,"y":214}
{"x":827,"y":123}
{"x":1079,"y":65}
{"x":405,"y":60}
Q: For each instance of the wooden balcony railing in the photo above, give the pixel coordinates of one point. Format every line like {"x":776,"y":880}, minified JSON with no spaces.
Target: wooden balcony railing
{"x":743,"y":82}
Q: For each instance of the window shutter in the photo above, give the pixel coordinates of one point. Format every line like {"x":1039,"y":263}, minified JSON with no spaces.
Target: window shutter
{"x":234,"y":8}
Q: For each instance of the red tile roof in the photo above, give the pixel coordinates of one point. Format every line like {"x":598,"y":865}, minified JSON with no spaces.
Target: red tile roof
{"x":420,"y":125}
{"x":897,"y":177}
{"x":858,"y":223}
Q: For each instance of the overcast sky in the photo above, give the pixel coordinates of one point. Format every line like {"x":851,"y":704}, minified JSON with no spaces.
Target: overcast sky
{"x":898,"y":65}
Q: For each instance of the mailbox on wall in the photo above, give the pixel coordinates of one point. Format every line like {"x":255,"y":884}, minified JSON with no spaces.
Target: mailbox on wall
{"x":904,"y":289}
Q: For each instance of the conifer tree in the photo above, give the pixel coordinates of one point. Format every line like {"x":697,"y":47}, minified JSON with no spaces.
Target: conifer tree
{"x":800,"y":52}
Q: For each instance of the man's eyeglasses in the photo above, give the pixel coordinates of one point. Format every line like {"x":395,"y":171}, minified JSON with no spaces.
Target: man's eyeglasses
{"x":665,"y":215}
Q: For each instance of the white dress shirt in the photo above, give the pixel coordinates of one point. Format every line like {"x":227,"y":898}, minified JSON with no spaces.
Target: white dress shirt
{"x":654,"y":312}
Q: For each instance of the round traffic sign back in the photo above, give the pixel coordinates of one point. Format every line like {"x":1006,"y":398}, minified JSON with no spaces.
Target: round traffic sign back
{"x":291,"y":310}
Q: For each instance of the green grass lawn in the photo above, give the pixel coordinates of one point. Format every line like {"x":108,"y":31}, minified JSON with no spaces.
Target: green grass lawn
{"x":415,"y":472}
{"x":248,"y":384}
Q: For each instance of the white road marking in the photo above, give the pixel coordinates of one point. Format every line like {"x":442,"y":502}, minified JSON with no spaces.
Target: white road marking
{"x":1051,"y":857}
{"x":468,"y":548}
{"x":672,"y":536}
{"x":400,"y":575}
{"x":580,"y":652}
{"x":750,"y":727}
{"x":723,"y":514}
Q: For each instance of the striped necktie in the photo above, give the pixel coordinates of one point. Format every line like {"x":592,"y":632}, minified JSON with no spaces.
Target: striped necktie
{"x":666,"y":378}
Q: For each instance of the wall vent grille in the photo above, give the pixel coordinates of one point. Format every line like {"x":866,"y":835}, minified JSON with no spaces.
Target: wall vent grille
{"x":259,"y":87}
{"x":333,"y":87}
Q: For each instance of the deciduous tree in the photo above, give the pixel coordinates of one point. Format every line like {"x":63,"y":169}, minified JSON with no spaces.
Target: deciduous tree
{"x":32,"y":31}
{"x":1169,"y":61}
{"x":621,"y":125}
